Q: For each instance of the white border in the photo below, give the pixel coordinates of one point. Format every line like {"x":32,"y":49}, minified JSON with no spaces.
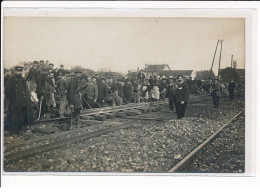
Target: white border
{"x":141,"y":9}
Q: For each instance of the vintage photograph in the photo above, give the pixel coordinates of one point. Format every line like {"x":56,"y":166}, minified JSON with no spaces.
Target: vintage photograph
{"x":124,"y":94}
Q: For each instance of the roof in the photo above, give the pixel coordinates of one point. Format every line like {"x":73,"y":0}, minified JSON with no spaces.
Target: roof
{"x":155,"y":68}
{"x":177,"y":72}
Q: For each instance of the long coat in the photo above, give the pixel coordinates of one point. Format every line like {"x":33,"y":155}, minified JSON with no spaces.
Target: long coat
{"x":73,"y":94}
{"x":171,"y":91}
{"x":102,"y":91}
{"x":19,"y":101}
{"x":182,"y":92}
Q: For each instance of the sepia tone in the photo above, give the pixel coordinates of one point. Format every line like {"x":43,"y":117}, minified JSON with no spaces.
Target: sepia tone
{"x":124,"y":95}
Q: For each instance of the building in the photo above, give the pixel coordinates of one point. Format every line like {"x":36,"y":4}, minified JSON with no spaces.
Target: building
{"x":151,"y":70}
{"x":174,"y":73}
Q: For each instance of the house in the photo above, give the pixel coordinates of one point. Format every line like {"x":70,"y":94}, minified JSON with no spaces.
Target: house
{"x":174,"y":73}
{"x":151,"y":70}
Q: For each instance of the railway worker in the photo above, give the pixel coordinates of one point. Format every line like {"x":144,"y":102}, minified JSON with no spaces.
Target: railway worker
{"x":141,"y":77}
{"x":60,"y":72}
{"x":19,"y":106}
{"x":127,"y":90}
{"x":44,"y":84}
{"x":73,"y":94}
{"x":163,"y":87}
{"x":102,"y":93}
{"x":63,"y":83}
{"x":52,"y":70}
{"x":117,"y":89}
{"x":171,"y":93}
{"x":215,"y":92}
{"x":182,"y":96}
{"x":145,"y":88}
{"x":231,"y":89}
{"x":90,"y":95}
{"x":155,"y":91}
{"x":42,"y":64}
{"x":34,"y":72}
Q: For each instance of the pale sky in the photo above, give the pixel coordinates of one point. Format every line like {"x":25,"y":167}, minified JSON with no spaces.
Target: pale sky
{"x":122,"y":44}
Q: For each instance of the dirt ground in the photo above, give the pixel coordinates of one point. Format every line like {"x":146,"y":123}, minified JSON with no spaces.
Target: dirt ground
{"x":147,"y":146}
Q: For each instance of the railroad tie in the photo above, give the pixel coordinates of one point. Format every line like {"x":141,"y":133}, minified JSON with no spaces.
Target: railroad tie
{"x":110,"y":115}
{"x":100,"y":117}
{"x":120,"y":114}
{"x":85,"y":117}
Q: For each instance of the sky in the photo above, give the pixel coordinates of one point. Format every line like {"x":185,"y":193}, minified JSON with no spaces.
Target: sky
{"x":122,"y":44}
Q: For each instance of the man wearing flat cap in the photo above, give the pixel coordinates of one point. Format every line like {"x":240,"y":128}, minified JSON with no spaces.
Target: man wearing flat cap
{"x":102,"y":92}
{"x":43,"y":94}
{"x":171,"y":93}
{"x":73,"y":94}
{"x":20,"y":108}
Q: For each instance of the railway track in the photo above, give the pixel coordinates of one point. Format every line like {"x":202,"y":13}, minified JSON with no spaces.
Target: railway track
{"x":53,"y":141}
{"x":105,"y":112}
{"x":186,"y":160}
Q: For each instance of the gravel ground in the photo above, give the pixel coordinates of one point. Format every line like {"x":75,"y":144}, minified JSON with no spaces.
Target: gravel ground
{"x":150,"y":146}
{"x":225,"y":154}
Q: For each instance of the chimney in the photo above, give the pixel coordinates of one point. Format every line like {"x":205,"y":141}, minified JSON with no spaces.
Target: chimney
{"x":234,"y":64}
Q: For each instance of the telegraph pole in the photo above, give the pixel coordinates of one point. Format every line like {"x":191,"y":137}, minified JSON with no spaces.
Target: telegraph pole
{"x":214,"y":56}
{"x":220,"y":56}
{"x":231,"y":61}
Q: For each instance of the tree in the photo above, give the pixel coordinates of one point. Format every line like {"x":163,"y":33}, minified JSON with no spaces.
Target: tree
{"x":227,"y":74}
{"x":204,"y":74}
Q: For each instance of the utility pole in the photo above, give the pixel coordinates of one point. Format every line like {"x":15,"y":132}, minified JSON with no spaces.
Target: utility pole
{"x":231,"y":61}
{"x":214,"y":56}
{"x":220,"y":57}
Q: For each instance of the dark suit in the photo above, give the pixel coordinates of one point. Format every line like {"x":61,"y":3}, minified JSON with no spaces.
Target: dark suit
{"x":73,"y":95}
{"x":171,"y":94}
{"x":102,"y":93}
{"x":182,"y":95}
{"x":20,"y":108}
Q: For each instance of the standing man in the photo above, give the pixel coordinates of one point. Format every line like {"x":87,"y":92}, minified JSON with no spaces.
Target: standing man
{"x":73,"y":94}
{"x":171,"y":93}
{"x":182,"y":96}
{"x":102,"y":92}
{"x":215,"y":92}
{"x":60,"y":72}
{"x":141,"y":77}
{"x":128,"y":90}
{"x":19,"y":106}
{"x":43,"y":91}
{"x":63,"y":84}
{"x":231,"y":88}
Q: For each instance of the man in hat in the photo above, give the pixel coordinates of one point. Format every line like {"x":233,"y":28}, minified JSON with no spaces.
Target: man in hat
{"x":141,"y":77}
{"x":63,"y":87}
{"x":52,"y":70}
{"x":231,"y":89}
{"x":34,"y":72}
{"x":162,"y":87}
{"x":73,"y":95}
{"x":19,"y":106}
{"x":182,"y":96}
{"x":102,"y":92}
{"x":171,"y":93}
{"x":128,"y":90}
{"x":60,"y":72}
{"x":117,"y":89}
{"x":44,"y":83}
{"x":215,"y":92}
{"x":41,"y":64}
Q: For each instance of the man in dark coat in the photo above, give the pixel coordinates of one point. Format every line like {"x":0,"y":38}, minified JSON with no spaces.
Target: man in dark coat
{"x":231,"y":88}
{"x":102,"y":92}
{"x":20,"y":108}
{"x":171,"y":93}
{"x":128,"y":90}
{"x":215,"y":92}
{"x":182,"y":96}
{"x":43,"y":94}
{"x":141,"y":77}
{"x":73,"y":95}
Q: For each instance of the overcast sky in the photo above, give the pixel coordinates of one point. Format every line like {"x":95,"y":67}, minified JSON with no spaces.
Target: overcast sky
{"x":120,"y":44}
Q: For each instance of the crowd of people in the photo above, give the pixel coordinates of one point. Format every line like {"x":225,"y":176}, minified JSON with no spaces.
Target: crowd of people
{"x":46,"y":89}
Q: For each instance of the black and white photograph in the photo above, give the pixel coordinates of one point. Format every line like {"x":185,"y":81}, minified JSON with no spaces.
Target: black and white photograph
{"x":126,"y":95}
